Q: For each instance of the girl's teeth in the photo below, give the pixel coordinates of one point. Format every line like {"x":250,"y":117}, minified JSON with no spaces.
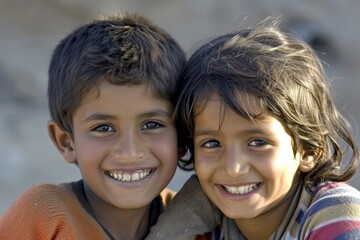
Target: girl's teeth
{"x":129,"y":177}
{"x":242,"y":189}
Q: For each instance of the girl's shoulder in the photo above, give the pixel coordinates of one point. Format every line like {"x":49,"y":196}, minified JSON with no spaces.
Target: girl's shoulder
{"x":334,"y":200}
{"x":333,"y":212}
{"x":335,"y":190}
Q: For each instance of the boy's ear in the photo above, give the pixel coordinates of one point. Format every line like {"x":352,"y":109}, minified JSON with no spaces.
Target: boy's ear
{"x":308,"y":161}
{"x":62,"y":141}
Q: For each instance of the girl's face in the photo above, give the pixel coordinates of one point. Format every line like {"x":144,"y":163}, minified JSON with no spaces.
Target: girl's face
{"x":248,"y":169}
{"x":125,"y":145}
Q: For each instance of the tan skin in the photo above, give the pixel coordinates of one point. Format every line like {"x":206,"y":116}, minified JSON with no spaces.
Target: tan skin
{"x":269,"y":221}
{"x":248,"y":169}
{"x":121,"y":223}
{"x":125,"y":146}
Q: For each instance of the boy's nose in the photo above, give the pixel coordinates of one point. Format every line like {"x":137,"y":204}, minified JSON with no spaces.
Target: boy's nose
{"x":234,"y":162}
{"x":129,"y":148}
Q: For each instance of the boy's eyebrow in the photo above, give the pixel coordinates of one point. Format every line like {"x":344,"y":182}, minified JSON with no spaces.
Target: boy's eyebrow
{"x":152,"y":113}
{"x":98,"y":116}
{"x":156,"y":112}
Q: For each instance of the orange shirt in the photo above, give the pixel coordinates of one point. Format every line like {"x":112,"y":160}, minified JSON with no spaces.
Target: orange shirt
{"x":49,"y":211}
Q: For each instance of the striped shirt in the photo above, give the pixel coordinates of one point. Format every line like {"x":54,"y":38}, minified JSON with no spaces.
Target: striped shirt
{"x":330,"y":211}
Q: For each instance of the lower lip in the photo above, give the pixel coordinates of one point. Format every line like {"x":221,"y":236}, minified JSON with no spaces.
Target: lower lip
{"x":237,"y":197}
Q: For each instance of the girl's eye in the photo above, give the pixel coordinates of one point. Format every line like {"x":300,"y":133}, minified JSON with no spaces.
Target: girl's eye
{"x":211,"y":144}
{"x":151,"y":125}
{"x":104,"y":128}
{"x":257,"y":143}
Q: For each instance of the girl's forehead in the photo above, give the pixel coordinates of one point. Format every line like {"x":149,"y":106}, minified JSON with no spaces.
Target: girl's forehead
{"x":245,"y":105}
{"x":240,"y":101}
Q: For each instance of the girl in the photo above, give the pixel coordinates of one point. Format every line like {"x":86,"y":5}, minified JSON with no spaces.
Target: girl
{"x":267,"y":142}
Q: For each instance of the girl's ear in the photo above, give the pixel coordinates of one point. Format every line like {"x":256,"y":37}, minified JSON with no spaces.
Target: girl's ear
{"x":62,"y":141}
{"x":308,"y":161}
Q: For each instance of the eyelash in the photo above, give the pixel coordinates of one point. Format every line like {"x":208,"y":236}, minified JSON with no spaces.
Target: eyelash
{"x":104,"y":128}
{"x":258,"y":143}
{"x":149,"y":125}
{"x":146,"y":127}
{"x":210,"y":144}
{"x":252,"y":143}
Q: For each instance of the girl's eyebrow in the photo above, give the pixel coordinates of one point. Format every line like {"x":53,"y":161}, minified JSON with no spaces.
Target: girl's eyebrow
{"x":203,"y":132}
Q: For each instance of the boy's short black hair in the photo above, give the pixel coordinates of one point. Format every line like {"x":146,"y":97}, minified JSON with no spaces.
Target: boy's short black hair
{"x":125,"y":49}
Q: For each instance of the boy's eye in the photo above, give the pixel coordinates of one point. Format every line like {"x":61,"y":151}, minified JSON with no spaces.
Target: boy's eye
{"x":151,"y":125}
{"x":104,"y":128}
{"x":211,"y":144}
{"x":257,"y":143}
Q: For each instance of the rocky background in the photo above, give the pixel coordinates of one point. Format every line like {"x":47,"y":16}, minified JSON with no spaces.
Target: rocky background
{"x":29,"y":30}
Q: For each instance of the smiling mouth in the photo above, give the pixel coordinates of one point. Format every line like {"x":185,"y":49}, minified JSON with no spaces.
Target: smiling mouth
{"x":242,"y":189}
{"x":129,"y":177}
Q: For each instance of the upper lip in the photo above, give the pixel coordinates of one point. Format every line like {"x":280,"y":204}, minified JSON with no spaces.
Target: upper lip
{"x":130,"y":170}
{"x":241,"y":189}
{"x":236,"y":183}
{"x":127,"y":168}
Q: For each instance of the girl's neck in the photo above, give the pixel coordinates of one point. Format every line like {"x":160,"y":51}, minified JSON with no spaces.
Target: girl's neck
{"x":266,"y":224}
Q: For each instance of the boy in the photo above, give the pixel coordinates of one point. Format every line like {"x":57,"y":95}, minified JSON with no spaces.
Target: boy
{"x":111,"y":83}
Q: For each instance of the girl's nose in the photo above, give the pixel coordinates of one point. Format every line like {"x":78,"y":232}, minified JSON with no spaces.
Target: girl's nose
{"x":234,"y":163}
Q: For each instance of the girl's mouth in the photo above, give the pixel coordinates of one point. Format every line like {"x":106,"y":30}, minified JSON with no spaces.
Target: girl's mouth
{"x":241,"y":189}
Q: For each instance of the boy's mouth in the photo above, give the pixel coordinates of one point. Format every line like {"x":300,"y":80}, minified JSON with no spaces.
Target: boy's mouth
{"x":242,"y":189}
{"x":129,"y":177}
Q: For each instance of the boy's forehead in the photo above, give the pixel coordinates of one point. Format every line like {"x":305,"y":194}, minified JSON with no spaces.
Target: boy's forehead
{"x":130,"y":91}
{"x":113,"y":97}
{"x":148,"y":89}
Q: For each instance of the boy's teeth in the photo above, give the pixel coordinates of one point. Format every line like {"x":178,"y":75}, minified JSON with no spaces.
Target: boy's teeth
{"x":242,"y":189}
{"x":135,"y":176}
{"x":130,"y":177}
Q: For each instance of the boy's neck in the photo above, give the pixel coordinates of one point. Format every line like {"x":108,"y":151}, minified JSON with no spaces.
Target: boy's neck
{"x":120,"y":223}
{"x":124,"y":224}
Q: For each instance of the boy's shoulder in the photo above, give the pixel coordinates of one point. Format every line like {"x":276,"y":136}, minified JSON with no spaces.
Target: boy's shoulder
{"x":46,"y":198}
{"x":48,"y":211}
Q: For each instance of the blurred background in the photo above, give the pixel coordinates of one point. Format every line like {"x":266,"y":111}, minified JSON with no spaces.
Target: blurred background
{"x":30,"y":29}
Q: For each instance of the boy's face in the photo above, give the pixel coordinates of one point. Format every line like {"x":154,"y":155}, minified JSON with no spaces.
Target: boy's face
{"x":248,"y":169}
{"x":125,"y":144}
